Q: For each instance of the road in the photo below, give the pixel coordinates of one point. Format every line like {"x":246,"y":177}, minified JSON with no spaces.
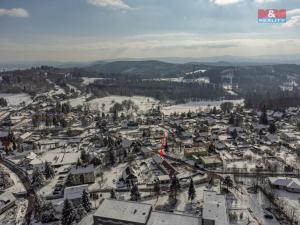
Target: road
{"x":26,"y":183}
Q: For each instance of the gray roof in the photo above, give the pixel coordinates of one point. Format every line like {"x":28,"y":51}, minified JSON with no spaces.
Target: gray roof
{"x":163,"y":218}
{"x":126,"y":211}
{"x":214,"y":208}
{"x":82,"y":169}
{"x":75,"y":192}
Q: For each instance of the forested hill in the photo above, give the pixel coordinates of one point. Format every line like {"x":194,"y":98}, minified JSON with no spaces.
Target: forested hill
{"x":144,"y":68}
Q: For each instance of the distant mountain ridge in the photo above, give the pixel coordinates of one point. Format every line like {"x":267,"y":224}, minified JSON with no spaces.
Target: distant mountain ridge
{"x":150,"y":67}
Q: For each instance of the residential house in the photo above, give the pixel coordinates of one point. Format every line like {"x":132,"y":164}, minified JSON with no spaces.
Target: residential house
{"x":117,"y":212}
{"x":74,"y":193}
{"x":83,"y":174}
{"x":214,"y":209}
{"x":285,"y":183}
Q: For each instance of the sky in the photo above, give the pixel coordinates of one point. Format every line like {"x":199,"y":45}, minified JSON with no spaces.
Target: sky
{"x":88,"y":30}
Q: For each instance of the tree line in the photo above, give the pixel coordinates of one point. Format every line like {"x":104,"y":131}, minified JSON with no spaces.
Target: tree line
{"x":162,"y":90}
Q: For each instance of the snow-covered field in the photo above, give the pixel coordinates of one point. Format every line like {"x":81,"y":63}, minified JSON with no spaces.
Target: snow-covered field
{"x":197,"y":71}
{"x":199,"y":80}
{"x":197,"y":106}
{"x":16,"y":99}
{"x":90,"y":80}
{"x":74,"y":102}
{"x":18,"y":185}
{"x":144,"y":103}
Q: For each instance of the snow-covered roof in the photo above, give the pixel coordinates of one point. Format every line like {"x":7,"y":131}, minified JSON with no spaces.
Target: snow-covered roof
{"x":58,"y":157}
{"x":75,"y":192}
{"x":163,"y":177}
{"x":146,"y":150}
{"x":164,"y":218}
{"x":126,"y":143}
{"x":214,"y":208}
{"x":5,"y":198}
{"x":31,"y":156}
{"x":157,"y":159}
{"x":25,"y":135}
{"x":295,"y":184}
{"x":126,"y":211}
{"x":285,"y":182}
{"x":36,"y":161}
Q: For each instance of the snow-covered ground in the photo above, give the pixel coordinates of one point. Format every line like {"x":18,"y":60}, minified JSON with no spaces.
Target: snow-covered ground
{"x":16,"y":99}
{"x":90,"y":80}
{"x":144,"y":103}
{"x":57,"y":89}
{"x":198,"y":106}
{"x":16,"y":214}
{"x":74,"y":102}
{"x":18,"y":185}
{"x":196,"y":71}
{"x":74,"y":88}
{"x":199,"y":80}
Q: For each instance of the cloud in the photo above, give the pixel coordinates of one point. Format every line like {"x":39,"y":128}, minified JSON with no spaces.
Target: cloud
{"x":16,"y":12}
{"x":118,"y":4}
{"x":293,"y":12}
{"x":265,"y":1}
{"x":225,"y":2}
{"x":161,"y":45}
{"x":294,"y":21}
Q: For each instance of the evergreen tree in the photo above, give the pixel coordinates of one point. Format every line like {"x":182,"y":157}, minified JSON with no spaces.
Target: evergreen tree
{"x":85,"y":201}
{"x":174,"y":187}
{"x":96,"y":161}
{"x":226,"y":106}
{"x":237,"y":121}
{"x":228,"y":181}
{"x":125,"y":153}
{"x":234,"y":134}
{"x":134,"y":193}
{"x":70,"y":180}
{"x":63,"y":123}
{"x":231,"y":119}
{"x":49,"y":171}
{"x":3,"y":102}
{"x":214,"y":110}
{"x":55,"y":121}
{"x":68,"y":213}
{"x":191,"y":191}
{"x":298,"y":125}
{"x":272,"y":128}
{"x":37,"y":178}
{"x":156,"y":188}
{"x":78,"y":163}
{"x":58,"y":107}
{"x":80,"y":212}
{"x":112,"y":157}
{"x":166,"y":146}
{"x":113,"y":194}
{"x":263,"y":117}
{"x":38,"y":204}
{"x":211,"y":148}
{"x":84,"y":156}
